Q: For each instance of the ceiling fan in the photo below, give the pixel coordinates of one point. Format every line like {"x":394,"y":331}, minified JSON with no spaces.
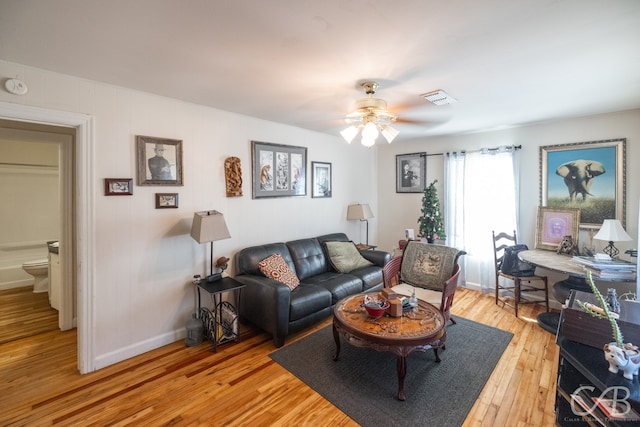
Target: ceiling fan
{"x":370,"y":118}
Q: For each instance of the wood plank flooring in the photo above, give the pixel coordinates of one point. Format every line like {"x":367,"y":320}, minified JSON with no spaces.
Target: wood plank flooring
{"x":23,"y":314}
{"x":240,"y":385}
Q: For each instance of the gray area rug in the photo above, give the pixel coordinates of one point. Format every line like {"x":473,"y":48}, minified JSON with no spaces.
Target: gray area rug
{"x":363,"y":383}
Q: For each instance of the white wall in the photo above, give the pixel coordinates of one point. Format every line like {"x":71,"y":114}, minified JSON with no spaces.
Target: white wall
{"x":30,"y":214}
{"x":403,"y":210}
{"x":144,"y":256}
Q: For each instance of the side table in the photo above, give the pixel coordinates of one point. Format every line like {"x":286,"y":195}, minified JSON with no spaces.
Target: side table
{"x":221,"y":323}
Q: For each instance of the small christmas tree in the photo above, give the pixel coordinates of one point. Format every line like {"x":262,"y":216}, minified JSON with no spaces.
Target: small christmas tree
{"x":431,"y":222}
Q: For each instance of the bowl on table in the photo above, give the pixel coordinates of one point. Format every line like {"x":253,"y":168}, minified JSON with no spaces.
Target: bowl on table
{"x":376,"y":310}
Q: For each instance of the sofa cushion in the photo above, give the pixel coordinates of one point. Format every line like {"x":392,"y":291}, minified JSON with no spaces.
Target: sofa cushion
{"x":247,"y":259}
{"x":427,"y":265}
{"x":340,"y":285}
{"x":308,"y":257}
{"x":345,"y":256}
{"x":276,"y":268}
{"x":307,"y":299}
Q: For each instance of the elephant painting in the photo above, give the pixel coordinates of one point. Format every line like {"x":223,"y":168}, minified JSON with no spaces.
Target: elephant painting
{"x":579,"y":175}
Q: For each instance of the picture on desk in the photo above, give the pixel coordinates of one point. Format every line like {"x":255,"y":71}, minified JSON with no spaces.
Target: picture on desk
{"x":554,"y":224}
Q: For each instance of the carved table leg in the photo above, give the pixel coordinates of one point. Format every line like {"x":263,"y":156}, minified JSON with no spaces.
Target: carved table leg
{"x":402,"y":371}
{"x":336,"y":337}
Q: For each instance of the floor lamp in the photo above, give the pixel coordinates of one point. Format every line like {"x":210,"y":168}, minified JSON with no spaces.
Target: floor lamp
{"x":209,"y":226}
{"x":361,"y":213}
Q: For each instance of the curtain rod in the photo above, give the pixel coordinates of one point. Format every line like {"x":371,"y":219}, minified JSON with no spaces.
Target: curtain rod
{"x":515,"y":147}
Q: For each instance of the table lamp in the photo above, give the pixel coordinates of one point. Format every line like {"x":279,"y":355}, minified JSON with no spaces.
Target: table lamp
{"x":209,"y":226}
{"x":361,"y":213}
{"x":612,"y":231}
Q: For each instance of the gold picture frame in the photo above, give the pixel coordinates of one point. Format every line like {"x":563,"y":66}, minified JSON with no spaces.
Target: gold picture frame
{"x":554,"y":224}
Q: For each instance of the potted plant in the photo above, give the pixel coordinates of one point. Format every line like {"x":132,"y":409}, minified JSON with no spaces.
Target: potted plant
{"x":431,"y":222}
{"x":619,"y":355}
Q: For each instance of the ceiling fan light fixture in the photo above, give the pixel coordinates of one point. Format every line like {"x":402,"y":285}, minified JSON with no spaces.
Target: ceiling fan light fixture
{"x":370,"y":131}
{"x":439,"y":97}
{"x":389,"y":133}
{"x":368,"y":142}
{"x":349,"y":133}
{"x":371,"y":115}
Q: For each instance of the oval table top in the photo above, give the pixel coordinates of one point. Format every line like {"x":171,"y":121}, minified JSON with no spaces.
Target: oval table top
{"x":552,"y":261}
{"x":423,"y":322}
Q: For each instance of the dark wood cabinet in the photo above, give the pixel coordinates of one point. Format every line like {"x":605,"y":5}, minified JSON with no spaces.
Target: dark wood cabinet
{"x":583,"y":370}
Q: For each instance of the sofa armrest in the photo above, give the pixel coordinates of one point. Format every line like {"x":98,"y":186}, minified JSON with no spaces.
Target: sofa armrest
{"x":265,"y":303}
{"x":379,"y":258}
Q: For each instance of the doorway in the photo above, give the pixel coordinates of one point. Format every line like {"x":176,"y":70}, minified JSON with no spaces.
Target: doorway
{"x":78,"y":266}
{"x":46,"y":204}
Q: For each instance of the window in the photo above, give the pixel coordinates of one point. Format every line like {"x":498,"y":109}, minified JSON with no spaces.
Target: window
{"x":481,"y":190}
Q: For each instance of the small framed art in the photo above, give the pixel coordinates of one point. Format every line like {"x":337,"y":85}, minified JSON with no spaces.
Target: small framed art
{"x":553,"y":224}
{"x":411,"y":170}
{"x":118,"y":186}
{"x":321,"y":179}
{"x":166,"y":200}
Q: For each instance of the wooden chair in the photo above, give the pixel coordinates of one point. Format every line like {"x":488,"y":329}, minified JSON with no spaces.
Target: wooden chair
{"x":522,"y":286}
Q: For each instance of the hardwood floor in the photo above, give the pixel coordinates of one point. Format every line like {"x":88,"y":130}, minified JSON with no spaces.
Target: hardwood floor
{"x":240,"y":385}
{"x":23,"y":314}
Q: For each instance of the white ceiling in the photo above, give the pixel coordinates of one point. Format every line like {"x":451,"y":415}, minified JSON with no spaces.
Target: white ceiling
{"x":300,"y":62}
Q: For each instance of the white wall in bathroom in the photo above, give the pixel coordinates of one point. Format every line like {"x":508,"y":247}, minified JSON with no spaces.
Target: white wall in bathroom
{"x":30,"y":214}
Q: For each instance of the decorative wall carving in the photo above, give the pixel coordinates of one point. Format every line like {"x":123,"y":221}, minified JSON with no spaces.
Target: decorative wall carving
{"x":233,"y":176}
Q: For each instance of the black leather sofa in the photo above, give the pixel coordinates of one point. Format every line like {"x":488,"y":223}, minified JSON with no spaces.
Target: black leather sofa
{"x":273,"y":307}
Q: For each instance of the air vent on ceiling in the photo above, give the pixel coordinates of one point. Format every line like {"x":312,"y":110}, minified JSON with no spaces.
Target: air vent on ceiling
{"x":439,"y":97}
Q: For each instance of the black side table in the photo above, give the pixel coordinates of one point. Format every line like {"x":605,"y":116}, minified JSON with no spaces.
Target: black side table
{"x":221,"y":323}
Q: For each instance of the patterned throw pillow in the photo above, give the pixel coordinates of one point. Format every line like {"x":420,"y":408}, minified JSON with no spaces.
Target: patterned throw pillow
{"x":345,"y":257}
{"x":275,"y":267}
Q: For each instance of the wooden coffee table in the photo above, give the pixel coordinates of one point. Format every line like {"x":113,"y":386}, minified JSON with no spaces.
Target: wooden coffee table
{"x":421,"y":329}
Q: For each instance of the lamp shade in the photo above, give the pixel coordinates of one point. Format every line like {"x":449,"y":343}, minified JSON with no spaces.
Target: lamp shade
{"x":209,"y":226}
{"x":360,"y":212}
{"x":612,"y":231}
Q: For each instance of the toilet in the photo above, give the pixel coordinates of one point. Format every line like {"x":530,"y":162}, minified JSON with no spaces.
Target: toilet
{"x":39,"y":269}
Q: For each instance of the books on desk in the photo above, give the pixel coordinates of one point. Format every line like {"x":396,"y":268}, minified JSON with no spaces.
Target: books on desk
{"x":610,"y":269}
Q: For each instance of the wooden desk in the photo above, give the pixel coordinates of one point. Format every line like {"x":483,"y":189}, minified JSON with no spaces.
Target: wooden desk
{"x":561,"y":290}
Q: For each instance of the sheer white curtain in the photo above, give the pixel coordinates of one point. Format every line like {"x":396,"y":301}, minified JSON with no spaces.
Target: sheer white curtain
{"x":481,"y":195}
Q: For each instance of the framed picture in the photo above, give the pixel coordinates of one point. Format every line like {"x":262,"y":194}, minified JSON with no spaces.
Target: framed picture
{"x":320,"y":179}
{"x":159,"y":160}
{"x":411,"y":171}
{"x":553,"y":224}
{"x":118,"y":186}
{"x":278,"y":170}
{"x":166,"y":200}
{"x":590,"y":176}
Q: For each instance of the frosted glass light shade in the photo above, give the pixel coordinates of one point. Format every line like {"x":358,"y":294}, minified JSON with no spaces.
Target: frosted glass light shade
{"x":349,"y":133}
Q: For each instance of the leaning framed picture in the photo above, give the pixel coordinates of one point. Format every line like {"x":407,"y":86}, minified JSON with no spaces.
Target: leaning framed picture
{"x":278,"y":170}
{"x":554,"y":224}
{"x":159,"y":160}
{"x":320,"y":179}
{"x":166,"y":200}
{"x":118,"y":186}
{"x":411,"y":171}
{"x":590,"y":176}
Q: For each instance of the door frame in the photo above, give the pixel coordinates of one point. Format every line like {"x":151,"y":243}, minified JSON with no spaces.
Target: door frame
{"x":84,"y":268}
